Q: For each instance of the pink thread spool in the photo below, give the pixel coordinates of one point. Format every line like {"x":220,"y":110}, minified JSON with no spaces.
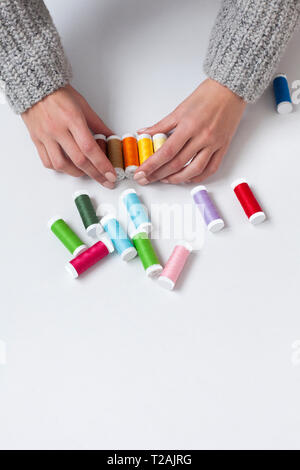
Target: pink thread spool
{"x":175,"y":265}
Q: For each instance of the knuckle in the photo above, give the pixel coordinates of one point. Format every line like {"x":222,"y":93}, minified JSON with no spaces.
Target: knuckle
{"x":60,"y":165}
{"x":47,"y":165}
{"x":174,"y":166}
{"x":87,"y":146}
{"x":80,"y":161}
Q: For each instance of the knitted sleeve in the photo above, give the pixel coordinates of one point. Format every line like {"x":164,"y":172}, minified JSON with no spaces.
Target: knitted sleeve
{"x":247,"y":42}
{"x":32,"y":60}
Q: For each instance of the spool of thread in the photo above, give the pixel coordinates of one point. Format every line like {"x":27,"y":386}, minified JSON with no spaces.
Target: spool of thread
{"x":175,"y":265}
{"x":89,"y":258}
{"x":282,"y":95}
{"x":66,"y":235}
{"x":158,"y":141}
{"x":101,"y":141}
{"x":119,"y":237}
{"x":131,"y":155}
{"x":248,"y":202}
{"x":87,"y":213}
{"x":136,"y":210}
{"x":145,"y":146}
{"x":115,"y":155}
{"x":146,"y":253}
{"x":207,"y":208}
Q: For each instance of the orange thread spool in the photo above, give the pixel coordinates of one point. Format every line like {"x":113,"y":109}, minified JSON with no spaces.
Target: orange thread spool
{"x":131,"y":155}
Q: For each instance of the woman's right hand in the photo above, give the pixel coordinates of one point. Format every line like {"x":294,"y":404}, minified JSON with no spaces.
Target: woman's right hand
{"x":61,"y":127}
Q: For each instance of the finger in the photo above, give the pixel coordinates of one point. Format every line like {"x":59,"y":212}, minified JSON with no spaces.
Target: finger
{"x":94,"y":122}
{"x":166,"y":153}
{"x":91,"y":150}
{"x":80,"y":161}
{"x":43,"y":154}
{"x":195,"y":168}
{"x":165,"y":125}
{"x":59,"y":160}
{"x":177,"y":163}
{"x":211,"y":168}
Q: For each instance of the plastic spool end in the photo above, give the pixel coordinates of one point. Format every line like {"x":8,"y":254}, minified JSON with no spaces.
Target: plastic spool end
{"x":280,"y":75}
{"x":144,"y":136}
{"x":129,"y":254}
{"x":185,"y":244}
{"x":130,"y":171}
{"x":108,"y":243}
{"x":154,"y":270}
{"x":159,"y":136}
{"x":93,"y":230}
{"x":237,"y":183}
{"x":285,"y":107}
{"x":100,"y":137}
{"x":145,"y":227}
{"x":216,"y":225}
{"x":72,"y":271}
{"x":120,"y":174}
{"x":81,"y":192}
{"x":126,"y":136}
{"x":53,"y":220}
{"x":196,"y":190}
{"x":106,"y":218}
{"x":257,"y":218}
{"x":80,"y":249}
{"x":113,"y":137}
{"x":166,"y":282}
{"x":126,"y":192}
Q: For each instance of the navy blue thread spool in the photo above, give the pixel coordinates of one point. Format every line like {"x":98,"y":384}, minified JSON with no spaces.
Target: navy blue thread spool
{"x":282,"y":94}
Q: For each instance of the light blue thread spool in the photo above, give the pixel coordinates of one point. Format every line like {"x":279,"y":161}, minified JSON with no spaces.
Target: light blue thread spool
{"x":119,"y":238}
{"x":136,"y":210}
{"x":282,"y":94}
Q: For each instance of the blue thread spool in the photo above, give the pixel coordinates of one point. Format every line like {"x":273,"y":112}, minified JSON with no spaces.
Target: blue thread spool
{"x":282,"y":95}
{"x":136,"y":210}
{"x":119,"y":238}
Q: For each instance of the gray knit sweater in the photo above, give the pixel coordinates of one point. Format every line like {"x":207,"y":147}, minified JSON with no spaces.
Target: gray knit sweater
{"x":246,"y":44}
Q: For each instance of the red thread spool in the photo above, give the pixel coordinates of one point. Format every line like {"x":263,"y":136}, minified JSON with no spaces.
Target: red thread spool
{"x":92,"y":255}
{"x":248,"y":202}
{"x":101,"y":141}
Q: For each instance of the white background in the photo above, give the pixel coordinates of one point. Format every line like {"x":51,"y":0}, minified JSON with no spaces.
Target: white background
{"x":112,"y":360}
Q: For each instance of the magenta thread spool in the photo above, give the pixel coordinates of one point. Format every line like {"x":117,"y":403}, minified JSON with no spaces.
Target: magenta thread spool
{"x":207,"y":208}
{"x":175,"y":265}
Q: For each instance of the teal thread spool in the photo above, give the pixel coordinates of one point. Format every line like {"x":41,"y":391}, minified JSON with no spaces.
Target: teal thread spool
{"x":146,"y":253}
{"x":119,"y":237}
{"x":66,"y":235}
{"x":87,"y":213}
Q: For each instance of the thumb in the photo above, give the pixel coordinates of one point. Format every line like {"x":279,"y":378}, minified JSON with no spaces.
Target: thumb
{"x":164,"y":126}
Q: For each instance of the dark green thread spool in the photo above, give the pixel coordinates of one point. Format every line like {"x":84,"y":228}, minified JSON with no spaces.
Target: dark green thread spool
{"x":87,"y":213}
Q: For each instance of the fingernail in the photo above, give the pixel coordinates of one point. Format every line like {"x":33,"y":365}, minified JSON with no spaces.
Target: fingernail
{"x":108,"y":185}
{"x":140,"y":174}
{"x":143,"y":181}
{"x":164,"y":181}
{"x":110,"y":177}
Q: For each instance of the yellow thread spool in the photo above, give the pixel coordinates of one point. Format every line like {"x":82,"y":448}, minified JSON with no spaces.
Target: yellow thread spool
{"x":145,"y":147}
{"x":158,"y":141}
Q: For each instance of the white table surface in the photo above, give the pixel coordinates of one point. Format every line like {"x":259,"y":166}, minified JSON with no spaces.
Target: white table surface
{"x":112,"y":360}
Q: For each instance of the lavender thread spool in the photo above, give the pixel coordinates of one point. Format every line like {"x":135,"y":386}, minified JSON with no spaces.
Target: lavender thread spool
{"x":207,"y":208}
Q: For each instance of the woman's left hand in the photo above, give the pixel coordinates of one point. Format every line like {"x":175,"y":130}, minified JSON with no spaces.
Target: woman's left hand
{"x":204,"y":125}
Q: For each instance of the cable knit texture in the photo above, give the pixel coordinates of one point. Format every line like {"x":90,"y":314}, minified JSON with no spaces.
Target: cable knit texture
{"x":247,"y":42}
{"x":32,"y":61}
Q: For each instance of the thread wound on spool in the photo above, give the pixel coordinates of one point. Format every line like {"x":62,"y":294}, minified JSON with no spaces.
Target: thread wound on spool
{"x":131,"y":154}
{"x":145,"y":147}
{"x":87,"y":259}
{"x":115,"y":155}
{"x":119,"y":238}
{"x":208,"y":209}
{"x":175,"y":265}
{"x":101,"y":141}
{"x":87,"y":212}
{"x":147,"y":254}
{"x":67,"y":236}
{"x":248,"y":201}
{"x":282,"y":94}
{"x":136,"y":210}
{"x":158,"y":141}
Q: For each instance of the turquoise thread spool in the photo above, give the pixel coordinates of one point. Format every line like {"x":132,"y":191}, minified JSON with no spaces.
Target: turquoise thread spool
{"x":119,"y":238}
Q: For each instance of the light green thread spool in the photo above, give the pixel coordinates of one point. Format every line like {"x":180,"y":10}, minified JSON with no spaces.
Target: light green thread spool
{"x":146,"y":253}
{"x":87,"y":213}
{"x":66,"y":235}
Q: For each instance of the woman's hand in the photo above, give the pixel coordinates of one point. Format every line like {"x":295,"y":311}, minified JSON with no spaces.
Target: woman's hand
{"x":61,"y":127}
{"x":204,"y":125}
